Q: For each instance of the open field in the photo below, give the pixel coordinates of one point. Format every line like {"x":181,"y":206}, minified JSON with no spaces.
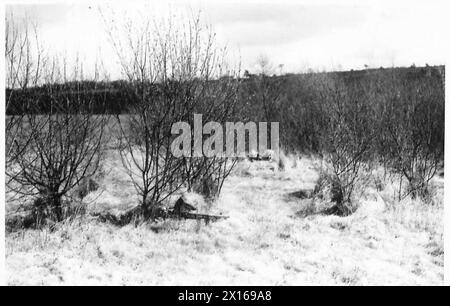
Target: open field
{"x":269,"y":238}
{"x":215,"y":144}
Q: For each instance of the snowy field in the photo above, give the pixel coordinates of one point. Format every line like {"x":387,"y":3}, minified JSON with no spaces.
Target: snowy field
{"x":268,"y":239}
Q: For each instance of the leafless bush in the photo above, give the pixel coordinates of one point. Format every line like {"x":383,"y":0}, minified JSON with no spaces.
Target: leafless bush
{"x":329,"y":190}
{"x":173,"y":72}
{"x":47,"y":154}
{"x":347,"y":139}
{"x":64,"y":146}
{"x":411,"y":135}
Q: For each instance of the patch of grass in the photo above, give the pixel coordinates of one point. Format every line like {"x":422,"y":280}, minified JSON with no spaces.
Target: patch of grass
{"x":262,"y":242}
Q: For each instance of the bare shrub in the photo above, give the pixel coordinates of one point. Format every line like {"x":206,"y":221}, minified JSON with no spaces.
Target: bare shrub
{"x":213,"y":176}
{"x":411,"y":138}
{"x":64,"y":146}
{"x":347,"y":139}
{"x":327,"y":187}
{"x":52,"y":141}
{"x":173,"y":72}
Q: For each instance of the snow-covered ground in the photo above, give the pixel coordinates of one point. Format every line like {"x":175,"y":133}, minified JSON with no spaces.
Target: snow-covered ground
{"x":266,"y":241}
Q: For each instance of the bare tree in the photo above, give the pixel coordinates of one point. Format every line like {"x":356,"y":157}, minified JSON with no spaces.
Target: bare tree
{"x":263,"y":97}
{"x":173,"y":72}
{"x":348,"y":137}
{"x":411,"y":138}
{"x":268,"y":90}
{"x":65,"y":141}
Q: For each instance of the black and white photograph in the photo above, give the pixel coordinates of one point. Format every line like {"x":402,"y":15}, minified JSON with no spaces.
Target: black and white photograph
{"x":223,"y":143}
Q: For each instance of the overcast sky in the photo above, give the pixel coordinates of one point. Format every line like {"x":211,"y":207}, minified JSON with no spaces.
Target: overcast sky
{"x":300,"y":35}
